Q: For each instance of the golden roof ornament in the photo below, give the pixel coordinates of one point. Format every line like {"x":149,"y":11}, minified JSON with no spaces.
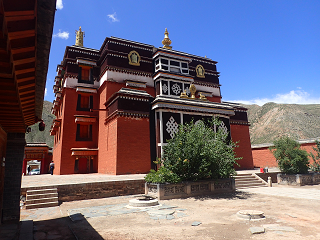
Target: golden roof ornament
{"x":193,"y":90}
{"x":166,"y":41}
{"x":79,"y":37}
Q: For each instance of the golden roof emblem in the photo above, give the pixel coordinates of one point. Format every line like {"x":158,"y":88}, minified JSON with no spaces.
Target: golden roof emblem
{"x":166,"y":41}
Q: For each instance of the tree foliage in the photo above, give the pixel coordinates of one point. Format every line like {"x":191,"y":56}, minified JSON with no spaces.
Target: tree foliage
{"x":199,"y":151}
{"x":290,"y":158}
{"x":315,"y":166}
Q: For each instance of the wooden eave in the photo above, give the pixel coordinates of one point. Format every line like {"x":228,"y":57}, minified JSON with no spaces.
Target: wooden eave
{"x":25,"y":39}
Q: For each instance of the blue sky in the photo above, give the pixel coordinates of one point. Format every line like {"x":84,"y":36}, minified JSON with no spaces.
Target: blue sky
{"x":266,"y":50}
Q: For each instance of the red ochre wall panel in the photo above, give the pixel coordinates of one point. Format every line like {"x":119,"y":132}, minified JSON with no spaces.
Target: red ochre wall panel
{"x":240,"y":134}
{"x":64,"y":162}
{"x":133,"y":155}
{"x":263,"y":157}
{"x":214,"y":99}
{"x":107,"y":155}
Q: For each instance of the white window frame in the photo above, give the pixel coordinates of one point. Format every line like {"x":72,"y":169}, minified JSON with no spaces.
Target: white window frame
{"x":169,"y":89}
{"x":171,"y":67}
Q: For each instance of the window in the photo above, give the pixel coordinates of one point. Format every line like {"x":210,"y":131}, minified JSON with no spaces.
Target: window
{"x":84,"y":132}
{"x":171,"y":66}
{"x":85,"y":102}
{"x":85,"y":75}
{"x":174,"y":88}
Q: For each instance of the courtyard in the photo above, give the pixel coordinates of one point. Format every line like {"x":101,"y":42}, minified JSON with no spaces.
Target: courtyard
{"x":290,"y":213}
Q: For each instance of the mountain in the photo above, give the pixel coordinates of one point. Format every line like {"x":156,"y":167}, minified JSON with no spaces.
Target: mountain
{"x":272,"y":120}
{"x":35,"y":135}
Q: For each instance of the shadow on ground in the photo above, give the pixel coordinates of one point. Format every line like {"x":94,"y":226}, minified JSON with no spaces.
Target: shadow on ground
{"x":65,"y":229}
{"x":231,"y":196}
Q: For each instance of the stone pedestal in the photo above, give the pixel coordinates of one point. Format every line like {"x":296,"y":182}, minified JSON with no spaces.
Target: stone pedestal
{"x":189,"y":189}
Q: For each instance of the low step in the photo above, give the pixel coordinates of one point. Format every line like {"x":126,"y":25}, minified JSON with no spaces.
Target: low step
{"x":41,"y":191}
{"x":42,"y":205}
{"x":248,"y":181}
{"x":38,"y":196}
{"x":42,"y":200}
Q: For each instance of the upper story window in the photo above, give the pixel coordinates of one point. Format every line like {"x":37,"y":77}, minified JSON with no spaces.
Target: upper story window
{"x":172,"y":66}
{"x":85,"y":72}
{"x":85,"y":102}
{"x":85,"y":75}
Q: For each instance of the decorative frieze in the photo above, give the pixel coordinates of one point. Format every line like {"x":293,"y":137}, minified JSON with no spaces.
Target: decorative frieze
{"x":85,"y":52}
{"x":298,"y":179}
{"x":164,"y":191}
{"x":130,"y":45}
{"x":122,"y":70}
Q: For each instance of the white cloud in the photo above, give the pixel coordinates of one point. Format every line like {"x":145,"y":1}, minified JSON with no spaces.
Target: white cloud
{"x":59,"y":4}
{"x":293,"y":97}
{"x":63,"y":35}
{"x":113,"y":17}
{"x":45,"y":92}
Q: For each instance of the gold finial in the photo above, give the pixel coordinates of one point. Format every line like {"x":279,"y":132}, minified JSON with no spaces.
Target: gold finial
{"x":166,"y":41}
{"x":79,"y":37}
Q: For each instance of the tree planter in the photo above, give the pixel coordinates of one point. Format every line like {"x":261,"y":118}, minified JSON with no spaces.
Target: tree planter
{"x":298,"y":179}
{"x":189,"y":189}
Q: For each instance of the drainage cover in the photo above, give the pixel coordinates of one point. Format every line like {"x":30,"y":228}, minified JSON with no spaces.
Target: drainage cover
{"x":143,"y":201}
{"x":250,"y":214}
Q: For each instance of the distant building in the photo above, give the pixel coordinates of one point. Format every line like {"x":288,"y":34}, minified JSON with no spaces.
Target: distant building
{"x":37,"y":156}
{"x":116,"y":107}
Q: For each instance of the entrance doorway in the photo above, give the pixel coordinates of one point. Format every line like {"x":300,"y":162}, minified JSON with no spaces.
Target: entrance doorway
{"x":83,"y":162}
{"x":33,"y":167}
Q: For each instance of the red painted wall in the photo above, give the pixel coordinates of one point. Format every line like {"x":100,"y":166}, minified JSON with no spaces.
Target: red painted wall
{"x":64,"y":162}
{"x":240,"y":133}
{"x":119,"y":150}
{"x":263,"y":157}
{"x":133,"y":145}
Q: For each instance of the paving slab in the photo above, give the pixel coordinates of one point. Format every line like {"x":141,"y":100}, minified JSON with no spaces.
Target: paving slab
{"x":256,"y":230}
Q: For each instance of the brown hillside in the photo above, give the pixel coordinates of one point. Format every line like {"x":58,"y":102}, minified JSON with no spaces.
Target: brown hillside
{"x":272,"y":121}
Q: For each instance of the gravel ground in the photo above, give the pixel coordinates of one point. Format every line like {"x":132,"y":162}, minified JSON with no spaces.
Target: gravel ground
{"x":215,"y":217}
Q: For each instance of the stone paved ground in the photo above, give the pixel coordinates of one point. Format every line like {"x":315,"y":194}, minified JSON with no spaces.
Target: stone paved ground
{"x":290,"y":213}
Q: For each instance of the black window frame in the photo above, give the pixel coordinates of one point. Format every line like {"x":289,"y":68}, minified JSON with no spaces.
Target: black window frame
{"x":89,"y":138}
{"x":90,"y":81}
{"x":79,"y":108}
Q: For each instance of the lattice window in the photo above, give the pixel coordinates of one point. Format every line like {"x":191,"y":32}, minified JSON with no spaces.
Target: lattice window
{"x":172,"y":127}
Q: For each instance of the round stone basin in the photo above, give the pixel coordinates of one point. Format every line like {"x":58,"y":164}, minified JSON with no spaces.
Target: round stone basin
{"x":143,"y":201}
{"x":250,"y":214}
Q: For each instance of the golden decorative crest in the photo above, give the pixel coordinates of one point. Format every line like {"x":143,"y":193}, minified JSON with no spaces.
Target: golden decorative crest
{"x":134,"y":58}
{"x":166,"y":41}
{"x":200,"y":71}
{"x":79,"y":37}
{"x":193,"y":90}
{"x":202,"y":97}
{"x":184,"y":94}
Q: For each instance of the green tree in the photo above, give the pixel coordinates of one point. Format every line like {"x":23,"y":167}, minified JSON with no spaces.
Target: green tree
{"x":291,"y":159}
{"x":315,"y":166}
{"x":199,"y":151}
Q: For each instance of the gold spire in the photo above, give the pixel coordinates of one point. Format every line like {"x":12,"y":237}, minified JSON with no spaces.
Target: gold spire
{"x":166,"y":41}
{"x":79,"y":37}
